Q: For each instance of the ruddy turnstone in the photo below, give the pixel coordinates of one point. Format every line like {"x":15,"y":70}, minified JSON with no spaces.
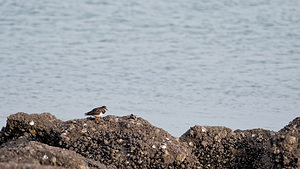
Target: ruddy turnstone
{"x":97,"y":112}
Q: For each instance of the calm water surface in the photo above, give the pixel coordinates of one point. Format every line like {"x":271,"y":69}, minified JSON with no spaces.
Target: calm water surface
{"x":174,"y":63}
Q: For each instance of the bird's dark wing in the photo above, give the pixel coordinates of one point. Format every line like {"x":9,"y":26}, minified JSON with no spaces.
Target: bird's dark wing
{"x":92,"y":112}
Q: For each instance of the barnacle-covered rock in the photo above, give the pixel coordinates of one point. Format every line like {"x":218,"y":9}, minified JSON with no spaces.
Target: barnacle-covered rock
{"x":41,"y":140}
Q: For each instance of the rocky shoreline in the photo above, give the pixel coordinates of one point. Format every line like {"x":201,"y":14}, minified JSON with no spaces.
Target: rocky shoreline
{"x":43,"y":141}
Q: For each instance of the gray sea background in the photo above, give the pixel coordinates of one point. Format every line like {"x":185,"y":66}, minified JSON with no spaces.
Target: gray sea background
{"x":175,"y":63}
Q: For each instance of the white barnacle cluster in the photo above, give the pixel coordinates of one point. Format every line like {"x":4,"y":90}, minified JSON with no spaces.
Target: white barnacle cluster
{"x":164,"y":146}
{"x":45,"y":157}
{"x":31,"y":123}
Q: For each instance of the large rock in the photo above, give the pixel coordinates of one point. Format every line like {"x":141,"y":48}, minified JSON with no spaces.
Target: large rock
{"x":251,"y":148}
{"x":214,"y":147}
{"x":43,"y":127}
{"x":132,"y":142}
{"x":22,"y":153}
{"x":126,"y":142}
{"x":219,"y":147}
{"x":285,"y":150}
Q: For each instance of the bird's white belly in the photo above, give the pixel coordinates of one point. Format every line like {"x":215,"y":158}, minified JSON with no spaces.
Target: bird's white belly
{"x":100,"y":115}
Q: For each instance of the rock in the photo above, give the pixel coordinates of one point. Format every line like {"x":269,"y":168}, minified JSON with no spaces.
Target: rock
{"x":13,"y":165}
{"x":126,"y":142}
{"x":123,"y":141}
{"x":22,"y":152}
{"x":213,"y":146}
{"x":45,"y":128}
{"x":41,"y":140}
{"x":285,"y":150}
{"x":219,"y":147}
{"x":251,"y":147}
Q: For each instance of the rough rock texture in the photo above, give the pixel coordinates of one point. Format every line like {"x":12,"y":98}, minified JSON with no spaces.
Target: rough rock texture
{"x":285,"y":150}
{"x":128,"y":142}
{"x":43,"y":127}
{"x":22,"y":152}
{"x":213,"y":146}
{"x":12,"y":165}
{"x":132,"y":142}
{"x":251,"y":147}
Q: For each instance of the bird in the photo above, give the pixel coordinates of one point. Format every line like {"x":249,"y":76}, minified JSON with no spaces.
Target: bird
{"x":97,"y":113}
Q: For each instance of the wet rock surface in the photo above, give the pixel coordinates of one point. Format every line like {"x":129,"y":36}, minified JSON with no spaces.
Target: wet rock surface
{"x":41,"y":140}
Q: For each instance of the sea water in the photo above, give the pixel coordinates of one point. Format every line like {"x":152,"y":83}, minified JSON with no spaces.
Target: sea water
{"x":174,"y":63}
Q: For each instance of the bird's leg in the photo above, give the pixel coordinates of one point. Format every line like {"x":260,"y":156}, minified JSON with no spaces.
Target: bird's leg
{"x":96,"y":119}
{"x":100,"y":119}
